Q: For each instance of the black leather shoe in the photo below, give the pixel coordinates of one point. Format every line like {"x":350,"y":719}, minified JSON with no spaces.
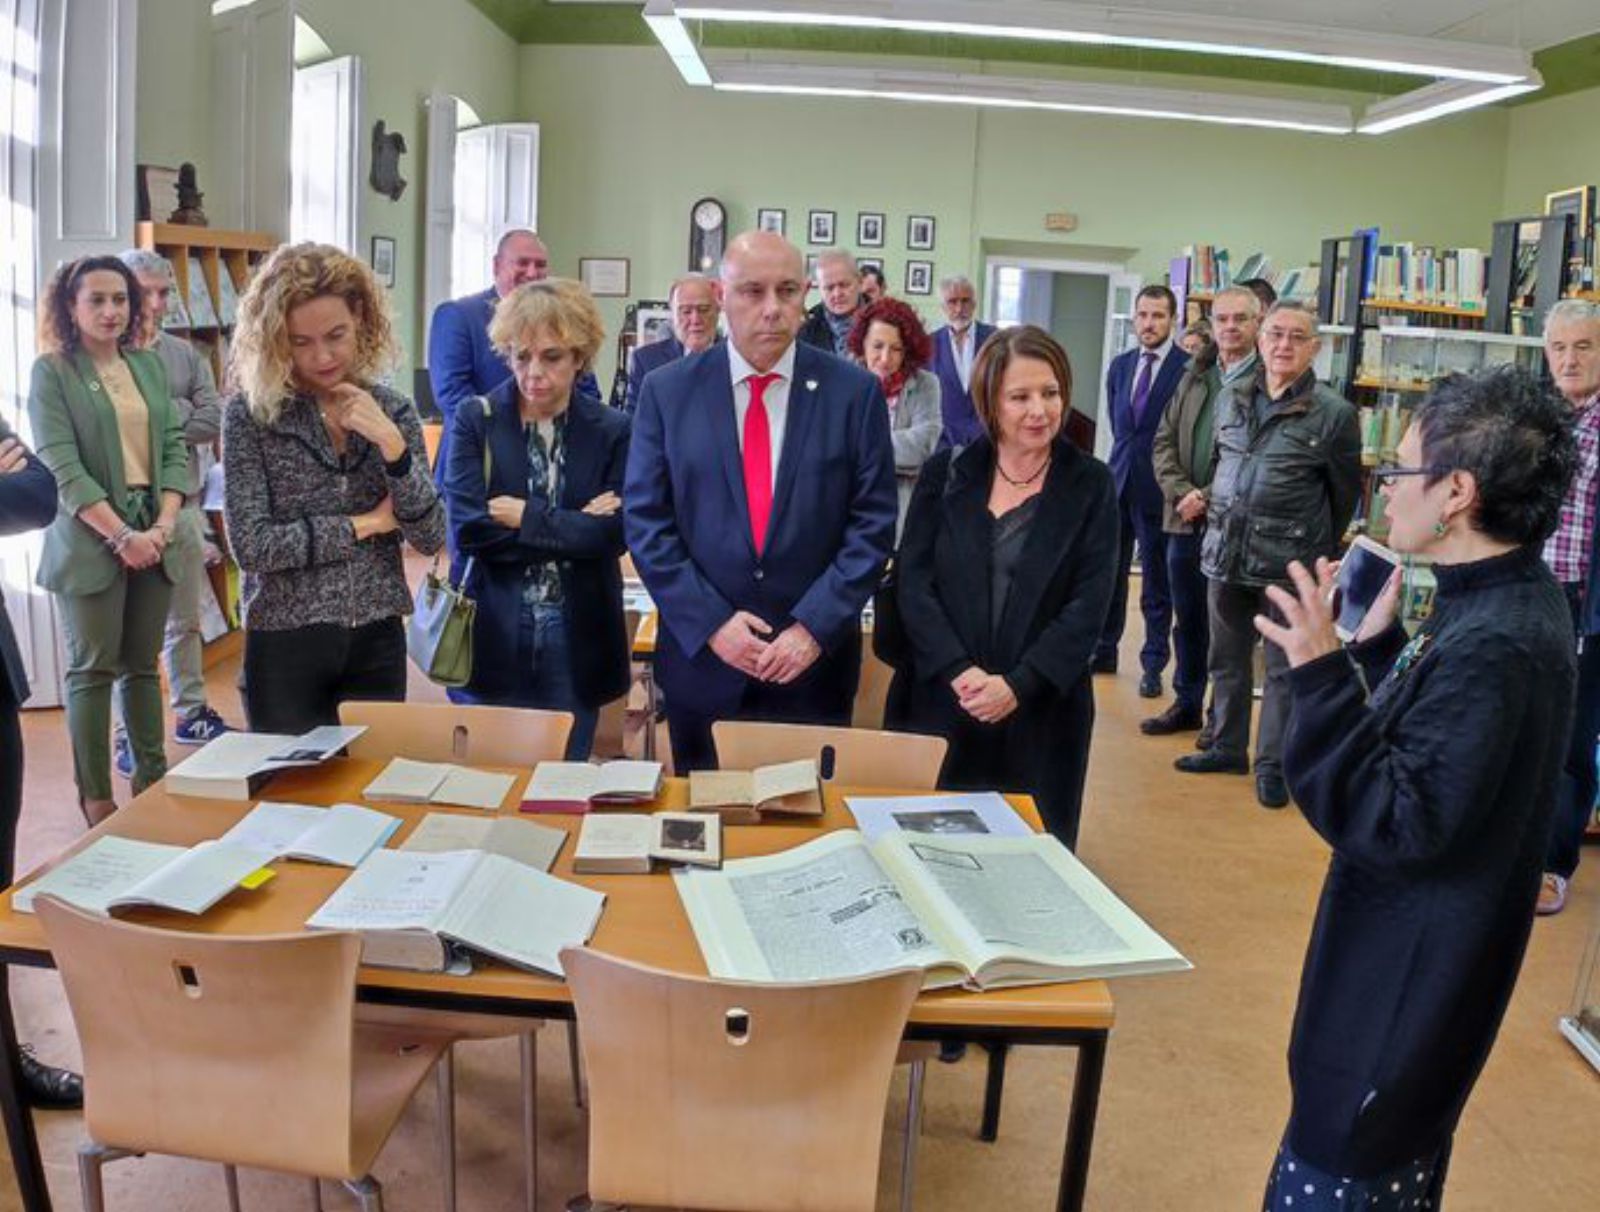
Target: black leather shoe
{"x":1212,"y":762}
{"x":1150,"y":686}
{"x":1271,"y":790}
{"x":1103,"y":665}
{"x":1176,"y":718}
{"x":49,"y":1088}
{"x":1205,"y":739}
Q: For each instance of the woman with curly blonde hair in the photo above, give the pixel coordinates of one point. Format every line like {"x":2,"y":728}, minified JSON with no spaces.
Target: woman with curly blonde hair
{"x":325,"y":473}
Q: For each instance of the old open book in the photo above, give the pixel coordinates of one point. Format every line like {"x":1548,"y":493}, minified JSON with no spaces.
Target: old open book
{"x":742,"y":797}
{"x":985,"y":912}
{"x":122,"y":873}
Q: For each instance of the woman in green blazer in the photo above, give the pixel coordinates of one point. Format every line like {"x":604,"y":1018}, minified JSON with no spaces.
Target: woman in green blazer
{"x":108,"y":430}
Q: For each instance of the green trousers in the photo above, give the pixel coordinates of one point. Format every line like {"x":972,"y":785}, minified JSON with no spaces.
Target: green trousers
{"x":114,"y":639}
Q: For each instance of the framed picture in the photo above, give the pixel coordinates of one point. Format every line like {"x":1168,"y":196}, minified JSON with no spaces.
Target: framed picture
{"x":866,"y":263}
{"x":383,"y":259}
{"x":1579,"y":202}
{"x":652,"y":322}
{"x":919,"y":277}
{"x":819,"y":228}
{"x":156,"y":190}
{"x":606,"y":277}
{"x":919,"y":233}
{"x":811,"y":267}
{"x":869,"y":229}
{"x":773,"y":220}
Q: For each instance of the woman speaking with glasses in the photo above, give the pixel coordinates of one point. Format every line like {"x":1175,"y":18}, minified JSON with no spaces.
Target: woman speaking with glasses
{"x":1429,"y":764}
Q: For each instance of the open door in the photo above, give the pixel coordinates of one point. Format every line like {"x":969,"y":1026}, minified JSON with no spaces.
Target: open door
{"x":1121,"y":290}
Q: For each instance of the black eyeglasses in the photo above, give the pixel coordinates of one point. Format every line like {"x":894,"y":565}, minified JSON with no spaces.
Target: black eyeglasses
{"x":1389,"y":472}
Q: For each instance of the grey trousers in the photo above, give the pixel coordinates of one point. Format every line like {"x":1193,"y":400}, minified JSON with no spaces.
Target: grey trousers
{"x":1232,"y":664}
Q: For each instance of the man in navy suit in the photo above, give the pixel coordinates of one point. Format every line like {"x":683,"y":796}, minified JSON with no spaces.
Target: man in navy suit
{"x":955,"y":346}
{"x":696,"y":304}
{"x":760,"y":510}
{"x":1139,"y":385}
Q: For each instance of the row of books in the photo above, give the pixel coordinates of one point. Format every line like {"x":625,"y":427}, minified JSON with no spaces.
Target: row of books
{"x":197,"y":308}
{"x":1203,"y":269}
{"x":1409,"y":273}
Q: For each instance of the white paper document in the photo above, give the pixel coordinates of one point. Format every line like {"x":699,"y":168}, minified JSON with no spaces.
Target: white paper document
{"x":976,"y":813}
{"x":342,"y":835}
{"x":118,"y":872}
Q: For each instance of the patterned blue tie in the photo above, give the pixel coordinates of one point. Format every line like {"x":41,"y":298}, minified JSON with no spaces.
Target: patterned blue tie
{"x":1141,"y":388}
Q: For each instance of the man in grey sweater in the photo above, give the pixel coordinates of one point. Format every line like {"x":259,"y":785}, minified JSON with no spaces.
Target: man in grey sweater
{"x":194,"y":391}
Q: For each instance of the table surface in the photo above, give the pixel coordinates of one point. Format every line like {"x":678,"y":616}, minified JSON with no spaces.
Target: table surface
{"x":643,"y":918}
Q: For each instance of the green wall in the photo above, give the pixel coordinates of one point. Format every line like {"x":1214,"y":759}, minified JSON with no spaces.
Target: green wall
{"x":1553,"y":145}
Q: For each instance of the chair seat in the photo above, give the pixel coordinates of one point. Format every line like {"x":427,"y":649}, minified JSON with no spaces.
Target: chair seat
{"x":388,"y":1064}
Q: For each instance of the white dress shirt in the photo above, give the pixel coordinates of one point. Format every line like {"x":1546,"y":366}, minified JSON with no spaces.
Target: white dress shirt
{"x":776,"y":398}
{"x":963,"y":351}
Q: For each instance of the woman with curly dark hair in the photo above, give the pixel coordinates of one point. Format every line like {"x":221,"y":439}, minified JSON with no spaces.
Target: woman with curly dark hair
{"x":109,"y":432}
{"x":889,"y":340}
{"x":1429,"y":764}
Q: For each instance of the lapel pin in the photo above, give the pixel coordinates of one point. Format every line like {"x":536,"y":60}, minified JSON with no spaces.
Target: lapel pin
{"x":811,"y":385}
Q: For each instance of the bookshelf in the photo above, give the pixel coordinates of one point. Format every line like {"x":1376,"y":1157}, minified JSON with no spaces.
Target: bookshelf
{"x":1527,"y":272}
{"x":203,"y":302}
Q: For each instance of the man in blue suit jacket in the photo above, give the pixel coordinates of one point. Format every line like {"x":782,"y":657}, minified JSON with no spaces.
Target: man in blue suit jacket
{"x":1139,"y":385}
{"x":760,"y":510}
{"x":955,"y":348}
{"x":695,"y":305}
{"x":461,"y":362}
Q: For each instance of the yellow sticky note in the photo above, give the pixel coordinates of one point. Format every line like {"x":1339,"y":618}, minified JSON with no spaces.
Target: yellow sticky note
{"x":258,"y":877}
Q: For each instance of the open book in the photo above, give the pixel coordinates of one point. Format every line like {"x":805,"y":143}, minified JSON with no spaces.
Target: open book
{"x":527,"y":843}
{"x":742,"y":796}
{"x":985,"y":912}
{"x":342,"y":835}
{"x":406,"y":782}
{"x":413,"y":909}
{"x":235,"y":765}
{"x":625,"y":843}
{"x":572,"y":786}
{"x":120,"y":873}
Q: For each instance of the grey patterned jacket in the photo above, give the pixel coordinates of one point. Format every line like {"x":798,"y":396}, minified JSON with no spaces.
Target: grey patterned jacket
{"x":288,"y":502}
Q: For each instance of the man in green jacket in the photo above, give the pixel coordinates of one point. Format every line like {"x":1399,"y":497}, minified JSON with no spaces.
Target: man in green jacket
{"x":1182,"y":454}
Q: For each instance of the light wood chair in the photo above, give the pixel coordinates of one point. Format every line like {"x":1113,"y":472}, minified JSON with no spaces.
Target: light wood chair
{"x":445,"y":732}
{"x":861,"y":756}
{"x":243,"y":1051}
{"x":486,"y":736}
{"x":717,"y":1095}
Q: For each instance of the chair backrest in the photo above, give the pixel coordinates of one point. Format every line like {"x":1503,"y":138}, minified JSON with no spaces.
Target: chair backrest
{"x":716,"y":1095}
{"x":226,"y":1049}
{"x":444,"y":732}
{"x":859,"y":756}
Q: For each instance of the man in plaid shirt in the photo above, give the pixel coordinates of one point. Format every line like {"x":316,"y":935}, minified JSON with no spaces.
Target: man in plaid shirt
{"x":1572,"y":350}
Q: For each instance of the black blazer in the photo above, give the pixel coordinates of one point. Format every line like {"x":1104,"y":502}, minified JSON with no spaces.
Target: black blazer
{"x":587,"y":547}
{"x":27,"y":502}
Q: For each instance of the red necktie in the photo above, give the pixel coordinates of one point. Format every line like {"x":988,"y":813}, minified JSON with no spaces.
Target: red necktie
{"x":758,"y":458}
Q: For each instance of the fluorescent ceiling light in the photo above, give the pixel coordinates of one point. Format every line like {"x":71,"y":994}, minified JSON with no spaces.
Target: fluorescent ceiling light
{"x":1021,"y":93}
{"x":1051,"y":21}
{"x":1435,"y":101}
{"x":668,"y":29}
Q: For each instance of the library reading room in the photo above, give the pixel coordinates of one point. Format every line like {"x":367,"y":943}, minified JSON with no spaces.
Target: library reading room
{"x":799,"y":605}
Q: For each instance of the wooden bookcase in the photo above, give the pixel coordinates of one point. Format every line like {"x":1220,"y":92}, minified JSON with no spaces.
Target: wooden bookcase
{"x":209,"y":252}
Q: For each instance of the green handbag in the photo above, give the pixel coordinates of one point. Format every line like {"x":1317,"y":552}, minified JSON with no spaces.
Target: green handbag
{"x":439,"y":635}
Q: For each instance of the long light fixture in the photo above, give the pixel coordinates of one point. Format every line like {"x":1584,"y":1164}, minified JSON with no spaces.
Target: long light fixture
{"x":1020,"y":93}
{"x":667,"y":26}
{"x":1436,"y":100}
{"x":1050,"y":21}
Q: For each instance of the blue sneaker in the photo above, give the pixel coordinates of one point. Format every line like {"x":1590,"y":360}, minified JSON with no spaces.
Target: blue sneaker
{"x":122,"y":754}
{"x":200,"y":726}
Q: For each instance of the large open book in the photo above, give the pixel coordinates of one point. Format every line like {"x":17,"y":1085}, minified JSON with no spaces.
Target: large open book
{"x":341,"y":836}
{"x":121,"y":873}
{"x":236,"y":765}
{"x":404,"y":781}
{"x":415,"y":909}
{"x":985,"y":912}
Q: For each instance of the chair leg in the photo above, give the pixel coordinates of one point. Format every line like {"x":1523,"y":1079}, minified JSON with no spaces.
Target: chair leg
{"x":908,"y":1155}
{"x":577,"y":1064}
{"x":230,"y":1178}
{"x":530,"y":1116}
{"x":316,"y":1195}
{"x":446,"y":1077}
{"x":91,"y":1157}
{"x":367,"y":1191}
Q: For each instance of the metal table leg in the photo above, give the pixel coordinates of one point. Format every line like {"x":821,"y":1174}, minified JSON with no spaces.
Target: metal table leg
{"x":1080,"y":1123}
{"x":24,"y":1141}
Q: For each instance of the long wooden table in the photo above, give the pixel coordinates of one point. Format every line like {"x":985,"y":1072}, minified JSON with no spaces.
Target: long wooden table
{"x":643,"y":921}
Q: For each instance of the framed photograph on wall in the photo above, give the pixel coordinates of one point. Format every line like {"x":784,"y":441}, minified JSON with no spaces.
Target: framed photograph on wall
{"x":652,"y":322}
{"x":866,"y":263}
{"x":605,"y":277}
{"x":771,"y":219}
{"x":919,"y":277}
{"x":811,"y":267}
{"x":819,"y":227}
{"x":869,"y":229}
{"x":383,"y":259}
{"x":919,"y":233}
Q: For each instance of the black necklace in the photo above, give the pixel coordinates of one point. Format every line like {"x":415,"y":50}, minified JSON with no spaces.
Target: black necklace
{"x":1023,"y":483}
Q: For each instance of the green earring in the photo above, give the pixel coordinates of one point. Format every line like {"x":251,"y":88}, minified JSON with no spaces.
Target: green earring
{"x":1439,"y":529}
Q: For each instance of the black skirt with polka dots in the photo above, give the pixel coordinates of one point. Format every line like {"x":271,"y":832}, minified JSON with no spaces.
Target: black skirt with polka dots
{"x":1298,"y":1186}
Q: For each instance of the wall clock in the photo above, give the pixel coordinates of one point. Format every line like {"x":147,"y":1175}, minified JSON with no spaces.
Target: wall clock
{"x":708,"y":235}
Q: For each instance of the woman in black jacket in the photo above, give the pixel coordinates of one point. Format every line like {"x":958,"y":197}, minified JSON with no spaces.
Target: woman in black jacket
{"x":1430,"y":766}
{"x":1005,"y":573}
{"x":533,"y":485}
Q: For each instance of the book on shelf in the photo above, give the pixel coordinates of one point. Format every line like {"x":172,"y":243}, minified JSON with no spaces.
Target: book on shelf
{"x":123,"y":873}
{"x":236,"y":765}
{"x":743,"y":796}
{"x":404,"y":781}
{"x":631,"y":843}
{"x":341,"y":836}
{"x":1256,"y":265}
{"x":1298,"y":285}
{"x":1369,"y":262}
{"x":202,"y":311}
{"x":532,"y":845}
{"x":572,"y":787}
{"x":428,"y":912}
{"x":982,"y":912}
{"x":175,"y":316}
{"x":227,"y":298}
{"x":1426,"y":276}
{"x":1207,"y":271}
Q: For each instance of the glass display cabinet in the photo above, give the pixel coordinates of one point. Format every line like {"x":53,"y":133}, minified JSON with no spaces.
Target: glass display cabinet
{"x":1582,"y":1026}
